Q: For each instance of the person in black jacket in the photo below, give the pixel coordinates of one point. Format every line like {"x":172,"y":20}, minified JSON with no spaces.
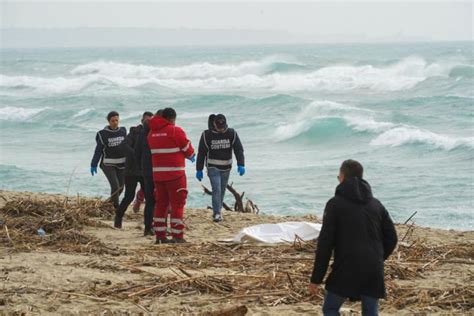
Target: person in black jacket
{"x":110,"y":152}
{"x":215,"y":150}
{"x":143,"y":156}
{"x":133,"y":170}
{"x":358,"y":228}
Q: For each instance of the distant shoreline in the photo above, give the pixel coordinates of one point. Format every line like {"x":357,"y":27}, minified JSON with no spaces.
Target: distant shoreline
{"x":116,"y":37}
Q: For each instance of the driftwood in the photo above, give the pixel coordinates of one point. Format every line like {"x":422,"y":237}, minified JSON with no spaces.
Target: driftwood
{"x":239,"y":205}
{"x":252,"y":274}
{"x":62,"y":221}
{"x":239,"y":310}
{"x":250,"y":206}
{"x":275,"y":275}
{"x":209,"y":192}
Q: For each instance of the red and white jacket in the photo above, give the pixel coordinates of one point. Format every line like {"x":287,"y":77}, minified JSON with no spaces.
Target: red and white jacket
{"x":169,"y":146}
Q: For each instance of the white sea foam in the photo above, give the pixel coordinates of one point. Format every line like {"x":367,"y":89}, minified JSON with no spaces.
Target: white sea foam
{"x":195,"y":70}
{"x":359,"y":119}
{"x":48,"y":85}
{"x":17,"y":114}
{"x":133,"y":115}
{"x":190,"y":115}
{"x":245,"y":76}
{"x":83,"y":112}
{"x":403,"y":135}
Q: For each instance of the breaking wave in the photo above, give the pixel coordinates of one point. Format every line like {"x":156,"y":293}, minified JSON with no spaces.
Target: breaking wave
{"x":332,"y":117}
{"x":17,"y":114}
{"x":269,"y":74}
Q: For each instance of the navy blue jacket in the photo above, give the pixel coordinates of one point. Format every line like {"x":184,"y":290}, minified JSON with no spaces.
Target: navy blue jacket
{"x":110,"y":147}
{"x":142,"y":152}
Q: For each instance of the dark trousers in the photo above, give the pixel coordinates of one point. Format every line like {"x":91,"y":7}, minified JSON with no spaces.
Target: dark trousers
{"x":333,"y":302}
{"x":130,"y":188}
{"x":149,"y":189}
{"x":115,"y":176}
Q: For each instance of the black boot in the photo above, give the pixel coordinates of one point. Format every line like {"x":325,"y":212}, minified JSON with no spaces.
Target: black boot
{"x":160,"y":241}
{"x":148,"y":232}
{"x":118,"y":219}
{"x":178,"y":241}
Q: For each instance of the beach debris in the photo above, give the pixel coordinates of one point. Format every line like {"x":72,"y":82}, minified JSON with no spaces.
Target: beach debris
{"x":250,"y":206}
{"x":60,"y":223}
{"x":273,"y":275}
{"x":41,"y":232}
{"x":241,"y":275}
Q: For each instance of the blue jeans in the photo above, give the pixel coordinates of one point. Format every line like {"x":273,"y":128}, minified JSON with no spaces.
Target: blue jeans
{"x":332,"y":303}
{"x":219,"y":180}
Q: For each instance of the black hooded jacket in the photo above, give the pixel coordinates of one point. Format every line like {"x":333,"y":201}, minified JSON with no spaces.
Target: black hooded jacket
{"x":132,"y":165}
{"x":358,"y":228}
{"x":142,"y":152}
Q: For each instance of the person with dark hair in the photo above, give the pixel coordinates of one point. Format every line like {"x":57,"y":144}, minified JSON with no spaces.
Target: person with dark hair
{"x":143,"y":156}
{"x":140,"y":196}
{"x":110,"y":152}
{"x":169,"y":147}
{"x":215,"y":150}
{"x":360,"y":232}
{"x":210,"y":122}
{"x":133,"y":170}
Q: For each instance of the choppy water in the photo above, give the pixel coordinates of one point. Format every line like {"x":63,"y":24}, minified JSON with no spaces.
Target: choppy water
{"x":404,"y":110}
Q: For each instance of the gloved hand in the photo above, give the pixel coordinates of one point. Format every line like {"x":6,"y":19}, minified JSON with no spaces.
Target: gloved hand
{"x":93,"y":170}
{"x":192,"y":158}
{"x":241,"y":170}
{"x":199,"y":175}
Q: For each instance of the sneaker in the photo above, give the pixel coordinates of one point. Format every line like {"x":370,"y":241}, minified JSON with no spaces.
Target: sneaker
{"x":160,"y":241}
{"x":218,"y":218}
{"x":178,"y":241}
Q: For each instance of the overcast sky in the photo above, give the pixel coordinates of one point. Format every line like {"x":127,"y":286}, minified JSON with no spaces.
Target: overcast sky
{"x":316,"y":21}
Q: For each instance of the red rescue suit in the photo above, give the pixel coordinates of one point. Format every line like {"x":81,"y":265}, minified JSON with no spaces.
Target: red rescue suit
{"x":169,"y":147}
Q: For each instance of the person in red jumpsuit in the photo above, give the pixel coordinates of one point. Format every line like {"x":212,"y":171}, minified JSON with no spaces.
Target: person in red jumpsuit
{"x":169,"y":147}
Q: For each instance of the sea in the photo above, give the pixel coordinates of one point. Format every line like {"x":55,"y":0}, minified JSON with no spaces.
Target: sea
{"x":405,"y":111}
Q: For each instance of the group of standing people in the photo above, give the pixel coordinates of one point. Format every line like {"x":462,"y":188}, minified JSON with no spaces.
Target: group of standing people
{"x":153,"y":155}
{"x":356,"y":229}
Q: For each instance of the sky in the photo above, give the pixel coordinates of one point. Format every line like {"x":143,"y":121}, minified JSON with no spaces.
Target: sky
{"x":282,"y":22}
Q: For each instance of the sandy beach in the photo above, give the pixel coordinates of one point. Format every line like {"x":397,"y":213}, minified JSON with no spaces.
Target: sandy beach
{"x":120,"y":271}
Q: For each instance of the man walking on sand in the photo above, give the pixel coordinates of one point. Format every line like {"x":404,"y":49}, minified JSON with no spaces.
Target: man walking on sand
{"x":358,"y":228}
{"x":169,"y":146}
{"x":133,"y":170}
{"x":215,"y":148}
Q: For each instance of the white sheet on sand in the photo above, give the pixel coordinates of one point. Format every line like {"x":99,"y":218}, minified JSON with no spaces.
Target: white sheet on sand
{"x":281,"y":232}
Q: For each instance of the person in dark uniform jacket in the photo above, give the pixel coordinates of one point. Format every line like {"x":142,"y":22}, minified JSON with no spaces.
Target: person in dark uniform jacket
{"x":143,"y":156}
{"x":110,"y":153}
{"x":215,"y":151}
{"x":358,"y":228}
{"x":133,"y":170}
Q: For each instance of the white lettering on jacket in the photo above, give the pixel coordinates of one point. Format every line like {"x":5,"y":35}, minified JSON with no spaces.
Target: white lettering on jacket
{"x":220,"y":144}
{"x":115,"y":141}
{"x":159,"y":134}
